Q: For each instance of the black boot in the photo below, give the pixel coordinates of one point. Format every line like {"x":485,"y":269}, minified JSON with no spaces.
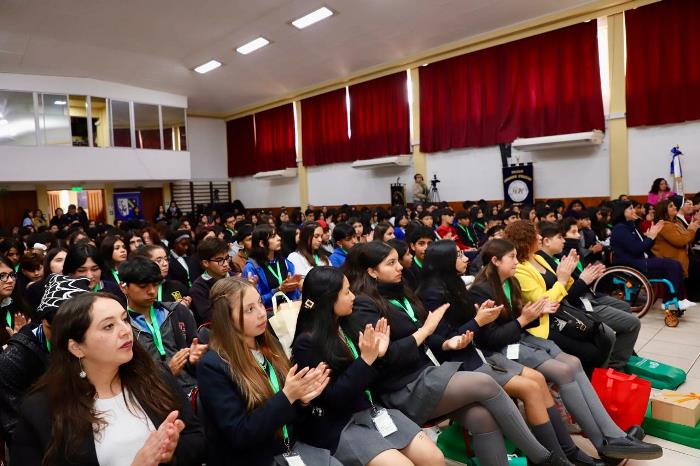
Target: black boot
{"x":625,"y":447}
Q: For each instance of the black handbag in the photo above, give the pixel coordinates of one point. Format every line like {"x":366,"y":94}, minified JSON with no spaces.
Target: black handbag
{"x":575,"y":323}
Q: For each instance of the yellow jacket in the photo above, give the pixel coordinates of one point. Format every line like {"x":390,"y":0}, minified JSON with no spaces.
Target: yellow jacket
{"x":533,"y":288}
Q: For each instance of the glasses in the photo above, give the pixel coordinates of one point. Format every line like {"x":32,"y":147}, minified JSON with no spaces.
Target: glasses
{"x":4,"y":277}
{"x":161,"y":260}
{"x":220,"y":261}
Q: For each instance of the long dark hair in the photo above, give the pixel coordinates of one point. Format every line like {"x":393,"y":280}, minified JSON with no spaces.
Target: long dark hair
{"x":72,"y":398}
{"x":306,"y":235}
{"x":489,"y":273}
{"x":288,"y":233}
{"x":321,"y":287}
{"x":380,"y":230}
{"x":78,"y":254}
{"x":107,"y":250}
{"x":369,"y":255}
{"x":261,"y":233}
{"x":49,"y":257}
{"x":656,"y":186}
{"x":439,"y":272}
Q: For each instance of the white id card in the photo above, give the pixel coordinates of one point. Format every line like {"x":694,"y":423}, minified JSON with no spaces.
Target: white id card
{"x":587,"y":304}
{"x":513,"y":351}
{"x":431,"y":356}
{"x":383,"y":422}
{"x":294,"y":459}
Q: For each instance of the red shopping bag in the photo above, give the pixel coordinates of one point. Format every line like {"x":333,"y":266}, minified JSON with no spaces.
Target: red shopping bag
{"x":624,"y":396}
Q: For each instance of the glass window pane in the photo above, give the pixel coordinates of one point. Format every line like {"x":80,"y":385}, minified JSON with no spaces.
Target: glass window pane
{"x":147,"y":126}
{"x":77,"y":110}
{"x":174,"y":137}
{"x":17,"y":125}
{"x":121,"y":124}
{"x":54,"y":119}
{"x":100,"y":121}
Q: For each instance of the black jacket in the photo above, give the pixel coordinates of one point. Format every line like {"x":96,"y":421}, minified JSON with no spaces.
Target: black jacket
{"x":174,"y":290}
{"x":177,"y":272}
{"x":413,"y":276}
{"x":343,"y":396}
{"x":577,"y":290}
{"x":21,"y":364}
{"x":201,"y":306}
{"x":234,"y":435}
{"x":33,"y":434}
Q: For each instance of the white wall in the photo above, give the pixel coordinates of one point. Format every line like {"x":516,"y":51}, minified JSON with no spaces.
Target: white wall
{"x":78,"y":164}
{"x":339,"y":184}
{"x":206,"y":140}
{"x":649,"y":155}
{"x":255,"y":193}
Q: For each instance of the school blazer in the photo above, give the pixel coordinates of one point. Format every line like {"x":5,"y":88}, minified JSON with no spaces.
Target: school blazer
{"x":533,"y":288}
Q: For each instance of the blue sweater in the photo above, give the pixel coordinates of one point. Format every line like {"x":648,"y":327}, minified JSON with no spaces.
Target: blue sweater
{"x":337,"y":259}
{"x":264,"y":288}
{"x":628,"y":248}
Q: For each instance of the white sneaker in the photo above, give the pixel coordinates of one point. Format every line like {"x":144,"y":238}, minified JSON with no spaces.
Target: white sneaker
{"x":685,"y":304}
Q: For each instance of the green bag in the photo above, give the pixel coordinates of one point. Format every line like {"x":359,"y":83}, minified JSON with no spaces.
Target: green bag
{"x":678,"y":433}
{"x":661,"y":376}
{"x":451,"y":442}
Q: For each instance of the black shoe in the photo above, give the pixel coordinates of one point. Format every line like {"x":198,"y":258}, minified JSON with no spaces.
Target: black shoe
{"x":580,"y":458}
{"x":556,"y":460}
{"x":636,"y":432}
{"x":625,"y":447}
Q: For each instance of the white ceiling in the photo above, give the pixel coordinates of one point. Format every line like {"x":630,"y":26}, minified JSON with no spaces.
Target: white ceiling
{"x":156,"y":43}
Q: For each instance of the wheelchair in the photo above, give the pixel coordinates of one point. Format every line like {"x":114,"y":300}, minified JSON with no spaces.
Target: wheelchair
{"x":631,"y":285}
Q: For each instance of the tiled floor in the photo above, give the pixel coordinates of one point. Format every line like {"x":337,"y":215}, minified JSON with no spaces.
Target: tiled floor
{"x":679,"y":347}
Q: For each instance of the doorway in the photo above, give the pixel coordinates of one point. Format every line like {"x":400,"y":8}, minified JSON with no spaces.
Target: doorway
{"x":92,"y":200}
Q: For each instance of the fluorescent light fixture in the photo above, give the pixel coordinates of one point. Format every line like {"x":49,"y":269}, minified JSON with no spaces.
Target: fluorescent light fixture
{"x":252,"y":46}
{"x":59,"y":102}
{"x":313,"y":17}
{"x":208,"y":66}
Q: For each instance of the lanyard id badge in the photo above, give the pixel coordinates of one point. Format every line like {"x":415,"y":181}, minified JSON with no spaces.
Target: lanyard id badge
{"x":383,"y":422}
{"x":513,"y":351}
{"x":587,"y":304}
{"x":293,"y":458}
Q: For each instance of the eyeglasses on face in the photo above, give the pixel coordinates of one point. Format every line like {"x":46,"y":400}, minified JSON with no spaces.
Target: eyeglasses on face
{"x":5,"y":276}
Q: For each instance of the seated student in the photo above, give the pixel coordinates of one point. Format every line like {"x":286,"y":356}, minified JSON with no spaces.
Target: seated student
{"x":673,"y":240}
{"x":83,"y":260}
{"x":465,"y":235}
{"x":326,"y":237}
{"x":27,"y":354}
{"x":31,"y":271}
{"x":538,"y":279}
{"x":309,"y":253}
{"x":444,"y":264}
{"x":445,"y":230}
{"x":614,"y":313}
{"x":13,"y":250}
{"x":478,"y":221}
{"x":410,"y":378}
{"x":113,"y":252}
{"x":179,"y":243}
{"x":244,"y":238}
{"x":497,"y":282}
{"x":53,"y":264}
{"x":103,"y":398}
{"x":403,"y":251}
{"x":630,"y":248}
{"x":11,"y":314}
{"x":168,"y":290}
{"x":166,"y":330}
{"x":509,"y":216}
{"x":418,"y":240}
{"x":546,"y":214}
{"x":400,"y":222}
{"x":345,"y":239}
{"x":266,"y":263}
{"x":384,"y":231}
{"x":250,"y":396}
{"x":214,"y":258}
{"x":346,"y":426}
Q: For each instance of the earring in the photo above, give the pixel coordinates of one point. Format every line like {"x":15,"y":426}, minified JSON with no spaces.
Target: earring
{"x":82,"y":373}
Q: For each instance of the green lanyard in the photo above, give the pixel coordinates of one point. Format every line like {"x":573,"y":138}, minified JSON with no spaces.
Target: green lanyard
{"x":154,"y":328}
{"x":355,"y":355}
{"x":160,"y":293}
{"x":8,"y":319}
{"x":418,"y":263}
{"x":466,"y":230}
{"x":97,"y":287}
{"x":506,"y":291}
{"x":277,"y":275}
{"x":317,"y":260}
{"x":406,"y":306}
{"x":274,"y":383}
{"x":116,"y":276}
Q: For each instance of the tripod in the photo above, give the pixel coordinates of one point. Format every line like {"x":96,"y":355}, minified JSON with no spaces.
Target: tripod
{"x":434,"y":194}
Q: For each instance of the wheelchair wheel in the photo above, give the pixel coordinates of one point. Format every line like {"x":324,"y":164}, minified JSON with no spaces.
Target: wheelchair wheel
{"x":629,"y":285}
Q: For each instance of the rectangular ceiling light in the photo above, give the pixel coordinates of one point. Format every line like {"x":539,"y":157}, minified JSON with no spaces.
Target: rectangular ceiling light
{"x":252,"y":46}
{"x":59,"y":102}
{"x":207,"y":67}
{"x":313,"y":17}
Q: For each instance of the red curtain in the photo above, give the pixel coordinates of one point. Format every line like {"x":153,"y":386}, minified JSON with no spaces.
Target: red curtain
{"x":663,"y":70}
{"x":240,"y":145}
{"x":274,"y":139}
{"x":168,"y":139}
{"x":324,"y":129}
{"x":542,"y":85}
{"x":122,"y":137}
{"x":148,"y":139}
{"x":379,"y":117}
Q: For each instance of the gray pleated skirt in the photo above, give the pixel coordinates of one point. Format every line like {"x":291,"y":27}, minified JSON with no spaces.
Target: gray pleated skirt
{"x":312,"y":456}
{"x":504,"y":370}
{"x":418,"y":399}
{"x":533,"y":351}
{"x":360,"y":442}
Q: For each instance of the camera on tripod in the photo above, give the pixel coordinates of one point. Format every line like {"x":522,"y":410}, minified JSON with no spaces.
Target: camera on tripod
{"x":434,"y":181}
{"x":434,"y":194}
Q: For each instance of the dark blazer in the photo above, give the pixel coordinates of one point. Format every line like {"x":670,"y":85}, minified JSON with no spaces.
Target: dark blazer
{"x":201,"y":307}
{"x":234,"y":435}
{"x":578,"y":288}
{"x":33,"y":434}
{"x":343,"y":396}
{"x":195,"y":265}
{"x":174,"y":290}
{"x":413,"y":276}
{"x":177,"y":272}
{"x":628,"y":248}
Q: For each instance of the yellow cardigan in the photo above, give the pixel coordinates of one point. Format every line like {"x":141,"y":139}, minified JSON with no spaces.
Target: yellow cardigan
{"x":533,"y":288}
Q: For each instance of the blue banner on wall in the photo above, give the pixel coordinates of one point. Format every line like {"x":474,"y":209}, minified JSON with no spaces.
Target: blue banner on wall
{"x":124,"y":205}
{"x":518,"y":184}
